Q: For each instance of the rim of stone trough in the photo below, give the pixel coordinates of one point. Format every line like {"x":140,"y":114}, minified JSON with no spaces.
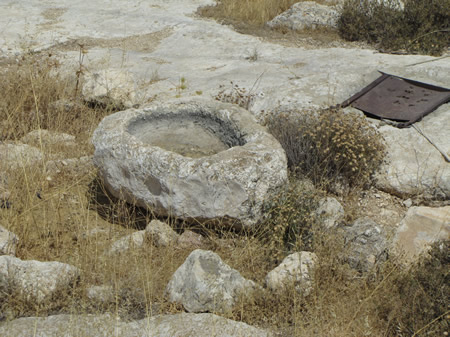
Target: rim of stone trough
{"x":223,"y":183}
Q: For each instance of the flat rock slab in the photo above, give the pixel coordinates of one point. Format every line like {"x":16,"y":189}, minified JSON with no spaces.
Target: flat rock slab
{"x":420,"y":227}
{"x":414,"y":166}
{"x":179,"y":325}
{"x":177,"y":173}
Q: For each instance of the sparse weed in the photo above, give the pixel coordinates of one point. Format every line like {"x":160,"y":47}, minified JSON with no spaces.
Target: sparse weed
{"x":235,"y":95}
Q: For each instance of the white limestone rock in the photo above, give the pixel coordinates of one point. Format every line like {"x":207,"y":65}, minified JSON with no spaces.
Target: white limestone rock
{"x":161,"y":234}
{"x":8,"y":242}
{"x":204,"y":283}
{"x":306,"y":14}
{"x":227,"y":186}
{"x":36,"y":281}
{"x":101,"y":294}
{"x":367,"y":242}
{"x":420,"y":227}
{"x":179,"y":325}
{"x":135,"y":240}
{"x":189,"y":239}
{"x":330,"y":211}
{"x":15,"y":156}
{"x":46,"y":137}
{"x":75,"y":167}
{"x":414,"y":167}
{"x":110,"y":87}
{"x":296,"y":270}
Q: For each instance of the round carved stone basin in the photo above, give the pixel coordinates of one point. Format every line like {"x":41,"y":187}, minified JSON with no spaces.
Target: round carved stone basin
{"x":191,"y":135}
{"x":196,"y":159}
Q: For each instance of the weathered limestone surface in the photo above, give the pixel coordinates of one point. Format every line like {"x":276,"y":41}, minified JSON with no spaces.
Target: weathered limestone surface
{"x":45,"y":137}
{"x":179,"y":325}
{"x":229,"y":186}
{"x":331,"y":212}
{"x":306,"y":14}
{"x":368,"y":244}
{"x":414,"y":166}
{"x":8,"y":242}
{"x":296,"y":270}
{"x":16,"y":156}
{"x":37,"y":281}
{"x":204,"y":283}
{"x":420,"y":227}
{"x":110,"y":87}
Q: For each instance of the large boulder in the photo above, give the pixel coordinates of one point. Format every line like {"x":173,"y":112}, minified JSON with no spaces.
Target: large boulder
{"x":420,"y":227}
{"x":204,"y":283}
{"x":178,"y":325}
{"x":36,"y":281}
{"x":197,"y":159}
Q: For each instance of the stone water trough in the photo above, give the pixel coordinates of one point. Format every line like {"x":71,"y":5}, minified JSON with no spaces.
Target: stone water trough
{"x":195,"y":159}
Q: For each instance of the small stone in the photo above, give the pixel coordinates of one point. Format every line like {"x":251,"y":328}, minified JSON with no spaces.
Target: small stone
{"x":15,"y":156}
{"x":134,"y":240}
{"x":161,"y":234}
{"x":8,"y":242}
{"x":306,"y":14}
{"x":297,"y":270}
{"x":407,"y":203}
{"x":330,"y":211}
{"x":204,"y":283}
{"x":367,"y":242}
{"x":101,"y":294}
{"x":45,"y":137}
{"x":189,"y":239}
{"x":36,"y":281}
{"x":110,"y":87}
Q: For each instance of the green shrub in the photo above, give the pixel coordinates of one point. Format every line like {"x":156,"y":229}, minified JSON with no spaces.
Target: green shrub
{"x":421,"y":26}
{"x":329,"y":145}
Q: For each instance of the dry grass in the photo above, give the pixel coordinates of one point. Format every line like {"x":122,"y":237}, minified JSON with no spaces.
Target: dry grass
{"x":256,"y":12}
{"x":57,"y":226}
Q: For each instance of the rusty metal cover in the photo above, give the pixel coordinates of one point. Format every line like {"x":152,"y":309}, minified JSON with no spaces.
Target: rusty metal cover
{"x":399,"y":99}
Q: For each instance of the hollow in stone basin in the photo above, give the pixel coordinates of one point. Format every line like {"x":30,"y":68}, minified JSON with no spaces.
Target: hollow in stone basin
{"x":189,"y":135}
